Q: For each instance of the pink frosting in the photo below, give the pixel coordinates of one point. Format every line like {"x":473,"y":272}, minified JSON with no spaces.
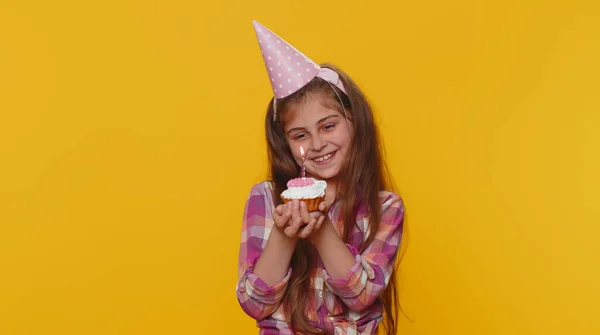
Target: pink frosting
{"x":300,"y":182}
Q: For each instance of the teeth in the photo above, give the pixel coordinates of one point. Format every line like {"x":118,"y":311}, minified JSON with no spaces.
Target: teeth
{"x":320,"y":159}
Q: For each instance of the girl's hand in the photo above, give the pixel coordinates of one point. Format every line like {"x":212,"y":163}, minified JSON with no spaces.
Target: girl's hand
{"x":295,"y":220}
{"x":312,"y":220}
{"x":281,"y":215}
{"x":323,"y":210}
{"x":286,"y":217}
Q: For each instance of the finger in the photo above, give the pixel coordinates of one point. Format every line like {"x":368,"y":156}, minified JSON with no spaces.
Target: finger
{"x":308,"y":229}
{"x":319,"y":223}
{"x":292,"y":229}
{"x":296,"y":219}
{"x":282,"y":219}
{"x":296,"y":222}
{"x":287,"y":210}
{"x":315,"y":214}
{"x":324,"y":207}
{"x":289,"y":232}
{"x":277,"y":220}
{"x":304,"y":212}
{"x":295,"y":209}
{"x":279,"y":209}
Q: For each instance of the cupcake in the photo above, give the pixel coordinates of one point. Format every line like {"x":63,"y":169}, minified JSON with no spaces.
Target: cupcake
{"x":308,"y":190}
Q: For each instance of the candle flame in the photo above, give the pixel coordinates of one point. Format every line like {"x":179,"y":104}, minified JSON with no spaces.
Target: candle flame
{"x":302,"y":152}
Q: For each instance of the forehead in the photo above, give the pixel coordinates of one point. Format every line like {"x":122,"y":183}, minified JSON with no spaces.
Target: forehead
{"x":309,"y":110}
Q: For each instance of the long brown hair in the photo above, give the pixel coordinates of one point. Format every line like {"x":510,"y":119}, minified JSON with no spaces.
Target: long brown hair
{"x":363,"y":175}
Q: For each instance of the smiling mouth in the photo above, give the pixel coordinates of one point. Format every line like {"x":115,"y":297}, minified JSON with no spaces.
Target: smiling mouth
{"x":325,"y":158}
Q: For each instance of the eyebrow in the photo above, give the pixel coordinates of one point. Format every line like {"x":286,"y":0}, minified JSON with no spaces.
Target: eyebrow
{"x":320,"y":121}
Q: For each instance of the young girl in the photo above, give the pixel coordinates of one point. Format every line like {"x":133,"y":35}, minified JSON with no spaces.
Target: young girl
{"x":328,"y":271}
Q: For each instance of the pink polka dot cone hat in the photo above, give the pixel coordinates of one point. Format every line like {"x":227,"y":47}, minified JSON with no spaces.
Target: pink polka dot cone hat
{"x":289,"y":70}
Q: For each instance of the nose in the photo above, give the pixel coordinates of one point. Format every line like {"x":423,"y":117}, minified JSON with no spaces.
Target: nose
{"x":318,"y":143}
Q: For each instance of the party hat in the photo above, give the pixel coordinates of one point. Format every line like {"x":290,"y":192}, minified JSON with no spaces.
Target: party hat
{"x":289,"y":70}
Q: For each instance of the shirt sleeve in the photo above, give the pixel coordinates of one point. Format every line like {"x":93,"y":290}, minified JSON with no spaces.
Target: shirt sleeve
{"x":256,"y":298}
{"x":370,"y":274}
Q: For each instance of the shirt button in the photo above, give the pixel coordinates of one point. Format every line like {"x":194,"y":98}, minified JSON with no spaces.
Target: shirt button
{"x":321,"y":294}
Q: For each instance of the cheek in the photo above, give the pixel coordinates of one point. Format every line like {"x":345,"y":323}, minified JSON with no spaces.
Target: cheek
{"x":345,"y":148}
{"x":344,"y":141}
{"x":295,"y":152}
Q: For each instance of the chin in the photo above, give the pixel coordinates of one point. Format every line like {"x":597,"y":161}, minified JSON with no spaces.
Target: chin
{"x":327,"y":174}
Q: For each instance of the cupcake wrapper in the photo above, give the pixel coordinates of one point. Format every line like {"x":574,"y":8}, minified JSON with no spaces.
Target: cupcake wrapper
{"x":312,"y":204}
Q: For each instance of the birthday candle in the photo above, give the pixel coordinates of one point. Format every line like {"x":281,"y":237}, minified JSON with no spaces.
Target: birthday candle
{"x":303,"y":171}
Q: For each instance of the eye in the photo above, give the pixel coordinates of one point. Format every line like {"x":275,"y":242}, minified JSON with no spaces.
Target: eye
{"x":299,"y":136}
{"x":329,"y":126}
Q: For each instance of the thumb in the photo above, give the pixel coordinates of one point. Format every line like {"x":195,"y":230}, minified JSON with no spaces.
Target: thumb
{"x":324,"y":206}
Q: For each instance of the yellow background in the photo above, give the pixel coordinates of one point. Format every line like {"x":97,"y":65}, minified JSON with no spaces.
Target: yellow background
{"x":131,"y":133}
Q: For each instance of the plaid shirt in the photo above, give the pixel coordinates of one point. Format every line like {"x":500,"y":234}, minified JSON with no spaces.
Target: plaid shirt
{"x":340,"y":306}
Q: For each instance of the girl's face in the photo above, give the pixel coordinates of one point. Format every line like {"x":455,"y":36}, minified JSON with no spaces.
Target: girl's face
{"x":323,"y":134}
